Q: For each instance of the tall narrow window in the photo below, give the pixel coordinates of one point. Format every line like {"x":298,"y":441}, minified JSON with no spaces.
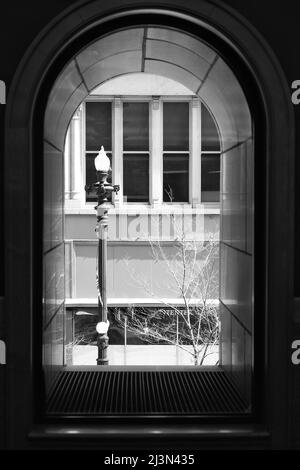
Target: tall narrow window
{"x":98,"y":132}
{"x":210,"y":158}
{"x":176,"y":152}
{"x":136,"y":151}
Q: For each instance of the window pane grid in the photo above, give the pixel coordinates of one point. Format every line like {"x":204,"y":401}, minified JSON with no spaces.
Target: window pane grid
{"x":136,"y":177}
{"x":98,"y":132}
{"x":176,"y":146}
{"x":176,"y":177}
{"x":211,"y":152}
{"x":95,"y":152}
{"x":98,"y":125}
{"x":135,"y":148}
{"x":135,"y":126}
{"x":210,"y":157}
{"x":210,"y":140}
{"x":176,"y":126}
{"x":184,"y":152}
{"x":210,"y":176}
{"x":136,"y":151}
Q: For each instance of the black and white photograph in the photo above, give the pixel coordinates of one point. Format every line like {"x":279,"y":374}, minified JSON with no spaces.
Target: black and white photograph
{"x":149,"y":228}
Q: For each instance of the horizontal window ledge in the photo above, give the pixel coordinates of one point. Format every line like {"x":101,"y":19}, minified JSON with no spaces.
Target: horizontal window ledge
{"x":112,"y":302}
{"x":168,"y":209}
{"x":184,"y":434}
{"x":141,"y":97}
{"x":140,"y":241}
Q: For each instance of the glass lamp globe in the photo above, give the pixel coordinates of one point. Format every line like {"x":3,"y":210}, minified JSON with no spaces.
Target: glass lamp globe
{"x":102,"y":162}
{"x":102,"y":327}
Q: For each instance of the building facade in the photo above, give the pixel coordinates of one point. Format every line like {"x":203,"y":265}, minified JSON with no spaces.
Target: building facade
{"x":187,"y":166}
{"x":164,"y":148}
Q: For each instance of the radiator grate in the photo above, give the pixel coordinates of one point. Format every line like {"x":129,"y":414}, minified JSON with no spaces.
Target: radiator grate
{"x":86,"y":392}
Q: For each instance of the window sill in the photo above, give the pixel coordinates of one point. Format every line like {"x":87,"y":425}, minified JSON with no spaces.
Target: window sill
{"x":145,"y":302}
{"x":146,"y":435}
{"x":208,"y":208}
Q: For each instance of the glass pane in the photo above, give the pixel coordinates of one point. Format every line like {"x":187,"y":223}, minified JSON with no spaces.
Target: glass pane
{"x":136,"y":177}
{"x":136,"y":126}
{"x":98,"y":125}
{"x":176,"y":126}
{"x":209,"y":131}
{"x":176,"y":178}
{"x":210,"y":177}
{"x":91,"y":175}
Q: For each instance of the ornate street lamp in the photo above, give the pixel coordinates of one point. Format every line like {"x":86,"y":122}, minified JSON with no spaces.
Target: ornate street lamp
{"x":103,"y":189}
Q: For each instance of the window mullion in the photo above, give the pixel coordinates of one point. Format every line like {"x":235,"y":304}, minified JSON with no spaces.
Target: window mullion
{"x":156,"y":152}
{"x":67,"y":164}
{"x":76,"y":191}
{"x":83,"y":151}
{"x":117,"y":150}
{"x":195,"y":152}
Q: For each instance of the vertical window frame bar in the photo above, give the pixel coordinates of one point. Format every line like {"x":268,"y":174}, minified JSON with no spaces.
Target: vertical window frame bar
{"x":141,"y":100}
{"x":195,"y":152}
{"x":117,"y":149}
{"x":83,"y":149}
{"x":210,"y":152}
{"x":156,"y":151}
{"x":170,"y":152}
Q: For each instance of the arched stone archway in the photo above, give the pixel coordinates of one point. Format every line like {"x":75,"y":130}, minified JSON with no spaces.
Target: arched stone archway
{"x":23,"y":130}
{"x":188,"y":60}
{"x":163,"y":51}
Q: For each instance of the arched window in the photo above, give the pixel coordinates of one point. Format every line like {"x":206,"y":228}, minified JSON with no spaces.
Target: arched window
{"x":164,"y":128}
{"x":243,"y":87}
{"x":165,"y":149}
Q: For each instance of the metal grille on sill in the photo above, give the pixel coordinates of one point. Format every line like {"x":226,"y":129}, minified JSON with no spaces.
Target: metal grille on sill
{"x":83,"y":393}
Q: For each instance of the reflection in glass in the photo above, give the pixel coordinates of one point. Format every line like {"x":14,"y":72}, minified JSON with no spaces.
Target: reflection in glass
{"x":209,"y":132}
{"x":176,"y":126}
{"x":210,"y":177}
{"x":136,"y":177}
{"x":176,"y":178}
{"x":135,"y":126}
{"x":98,"y":126}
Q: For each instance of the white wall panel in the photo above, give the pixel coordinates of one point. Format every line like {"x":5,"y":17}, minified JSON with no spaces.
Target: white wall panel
{"x":178,"y":55}
{"x":172,"y":71}
{"x":113,"y":66}
{"x":183,"y":40}
{"x":122,"y":41}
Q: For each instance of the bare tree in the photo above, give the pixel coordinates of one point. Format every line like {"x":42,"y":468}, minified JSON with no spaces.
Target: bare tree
{"x":192,"y":322}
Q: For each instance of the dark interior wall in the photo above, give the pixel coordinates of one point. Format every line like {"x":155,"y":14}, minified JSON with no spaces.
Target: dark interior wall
{"x":21,"y":22}
{"x":278,"y":22}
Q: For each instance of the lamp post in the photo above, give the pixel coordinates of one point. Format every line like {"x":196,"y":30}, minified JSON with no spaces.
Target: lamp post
{"x":103,"y":189}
